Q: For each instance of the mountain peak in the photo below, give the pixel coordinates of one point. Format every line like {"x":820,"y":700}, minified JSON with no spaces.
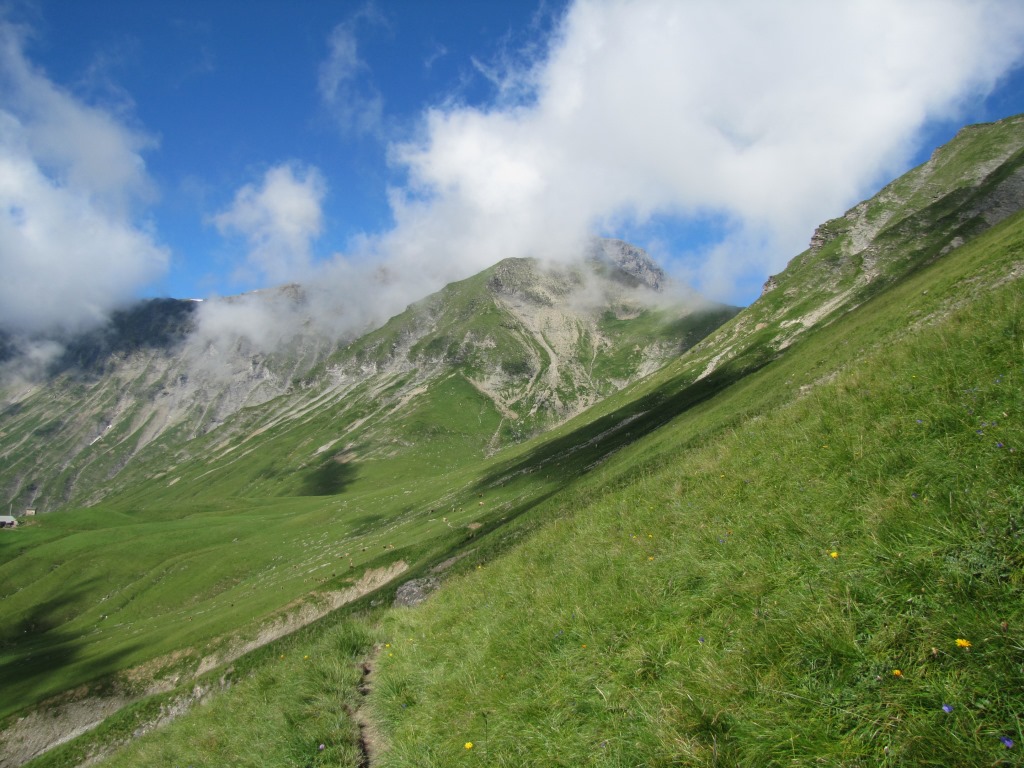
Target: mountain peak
{"x":627,"y":259}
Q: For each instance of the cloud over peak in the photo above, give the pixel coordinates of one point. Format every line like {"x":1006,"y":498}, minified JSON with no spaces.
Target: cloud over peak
{"x":769,"y":116}
{"x":749,"y":121}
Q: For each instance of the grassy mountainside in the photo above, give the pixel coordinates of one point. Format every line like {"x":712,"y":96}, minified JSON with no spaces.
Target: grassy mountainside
{"x":720,"y":564}
{"x":968,"y":185}
{"x":820,"y":564}
{"x":219,"y":542}
{"x":765,"y":586}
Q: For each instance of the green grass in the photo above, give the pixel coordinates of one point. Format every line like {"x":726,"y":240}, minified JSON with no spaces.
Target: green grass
{"x":275,"y":707}
{"x":208,"y":540}
{"x":693,"y":614}
{"x":291,"y":706}
{"x":662,"y":590}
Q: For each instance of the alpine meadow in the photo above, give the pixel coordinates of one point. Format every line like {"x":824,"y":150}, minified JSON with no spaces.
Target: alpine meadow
{"x":563,"y":514}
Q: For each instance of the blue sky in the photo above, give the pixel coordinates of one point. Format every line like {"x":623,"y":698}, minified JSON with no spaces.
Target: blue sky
{"x":229,"y":90}
{"x":201,"y":148}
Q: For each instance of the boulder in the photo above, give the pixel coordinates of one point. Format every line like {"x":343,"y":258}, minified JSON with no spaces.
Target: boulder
{"x":415,"y":591}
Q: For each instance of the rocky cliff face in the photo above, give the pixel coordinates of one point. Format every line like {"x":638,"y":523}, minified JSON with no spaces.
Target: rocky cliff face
{"x":70,"y":425}
{"x":967,"y":186}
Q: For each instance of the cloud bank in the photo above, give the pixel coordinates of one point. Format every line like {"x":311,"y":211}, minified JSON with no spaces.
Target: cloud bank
{"x":765,"y":118}
{"x":770,"y":117}
{"x":71,"y":180}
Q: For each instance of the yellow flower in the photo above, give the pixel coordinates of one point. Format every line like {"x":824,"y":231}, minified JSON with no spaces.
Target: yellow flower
{"x":961,"y":643}
{"x":897,"y":673}
{"x":833,"y":555}
{"x":469,"y":745}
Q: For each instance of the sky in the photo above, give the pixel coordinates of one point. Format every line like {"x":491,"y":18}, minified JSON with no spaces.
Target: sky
{"x":377,"y":150}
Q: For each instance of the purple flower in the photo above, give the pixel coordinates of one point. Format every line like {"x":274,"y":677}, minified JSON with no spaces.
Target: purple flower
{"x":999,"y":445}
{"x":1007,"y":741}
{"x":320,"y":748}
{"x":700,"y":640}
{"x":947,"y":708}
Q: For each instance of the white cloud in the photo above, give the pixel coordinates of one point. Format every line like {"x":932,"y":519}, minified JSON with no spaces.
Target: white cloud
{"x":344,"y":84}
{"x":769,"y":116}
{"x":762,"y":118}
{"x":279,"y":219}
{"x":30,"y":360}
{"x":71,"y":177}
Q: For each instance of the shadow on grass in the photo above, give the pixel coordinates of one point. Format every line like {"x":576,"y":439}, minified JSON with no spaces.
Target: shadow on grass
{"x":579,"y":451}
{"x":39,"y":654}
{"x":28,"y":677}
{"x":330,"y":478}
{"x":554,"y":464}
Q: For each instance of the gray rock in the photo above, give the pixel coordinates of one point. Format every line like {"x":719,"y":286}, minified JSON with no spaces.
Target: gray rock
{"x":628,"y":259}
{"x":415,"y":591}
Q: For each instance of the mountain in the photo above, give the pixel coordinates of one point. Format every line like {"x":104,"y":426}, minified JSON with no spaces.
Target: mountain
{"x":703,"y":544}
{"x":967,"y":186}
{"x":541,"y":343}
{"x":142,"y":376}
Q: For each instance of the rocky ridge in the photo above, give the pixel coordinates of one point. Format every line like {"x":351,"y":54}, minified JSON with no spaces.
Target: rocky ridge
{"x":966,"y":187}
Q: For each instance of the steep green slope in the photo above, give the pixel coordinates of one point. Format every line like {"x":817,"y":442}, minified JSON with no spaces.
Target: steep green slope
{"x":787,"y":585}
{"x":738,"y":587}
{"x":970,"y":184}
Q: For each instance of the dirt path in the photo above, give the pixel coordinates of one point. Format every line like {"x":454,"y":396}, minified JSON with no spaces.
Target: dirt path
{"x":370,"y":743}
{"x":304,"y":613}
